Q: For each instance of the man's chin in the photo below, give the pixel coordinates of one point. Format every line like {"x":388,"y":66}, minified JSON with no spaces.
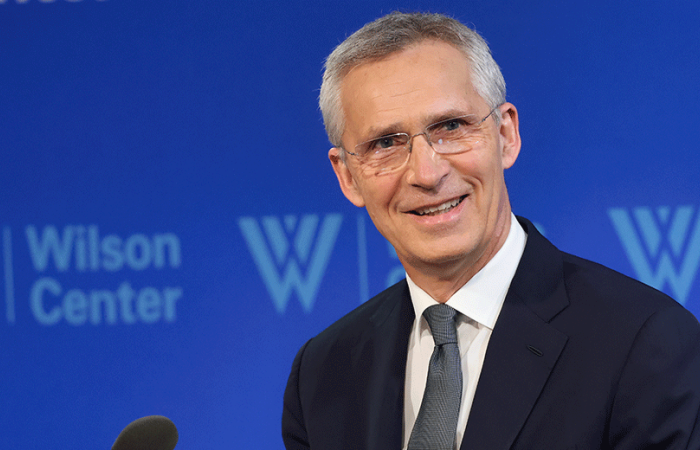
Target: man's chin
{"x":441,"y":257}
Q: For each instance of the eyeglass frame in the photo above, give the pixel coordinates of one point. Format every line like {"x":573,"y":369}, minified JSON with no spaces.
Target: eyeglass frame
{"x":409,"y":142}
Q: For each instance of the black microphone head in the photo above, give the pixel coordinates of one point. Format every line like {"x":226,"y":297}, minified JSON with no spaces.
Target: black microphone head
{"x":147,"y":433}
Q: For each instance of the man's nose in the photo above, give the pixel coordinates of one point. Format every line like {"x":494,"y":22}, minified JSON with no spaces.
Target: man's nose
{"x":426,"y":167}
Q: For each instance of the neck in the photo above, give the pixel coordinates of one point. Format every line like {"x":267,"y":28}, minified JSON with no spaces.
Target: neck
{"x":442,"y":280}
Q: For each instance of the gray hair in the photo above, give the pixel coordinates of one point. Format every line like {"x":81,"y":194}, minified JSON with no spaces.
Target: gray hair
{"x":393,"y":33}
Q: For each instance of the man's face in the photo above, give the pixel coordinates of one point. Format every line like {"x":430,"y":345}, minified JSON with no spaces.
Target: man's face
{"x":406,"y":92}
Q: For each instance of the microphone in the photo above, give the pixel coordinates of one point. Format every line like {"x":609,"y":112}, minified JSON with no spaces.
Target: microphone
{"x":147,"y":433}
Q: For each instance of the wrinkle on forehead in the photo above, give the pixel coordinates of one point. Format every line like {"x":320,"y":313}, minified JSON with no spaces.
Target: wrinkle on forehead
{"x":394,"y":94}
{"x":402,"y":94}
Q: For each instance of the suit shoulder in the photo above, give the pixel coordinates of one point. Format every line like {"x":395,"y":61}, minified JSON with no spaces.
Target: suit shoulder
{"x":611,"y":290}
{"x":372,"y":312}
{"x":345,"y":348}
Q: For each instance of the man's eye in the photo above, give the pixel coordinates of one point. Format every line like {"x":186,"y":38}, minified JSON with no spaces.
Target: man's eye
{"x":453,"y":124}
{"x":384,"y":143}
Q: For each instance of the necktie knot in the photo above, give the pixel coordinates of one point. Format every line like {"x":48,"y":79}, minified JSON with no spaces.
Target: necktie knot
{"x":441,"y":319}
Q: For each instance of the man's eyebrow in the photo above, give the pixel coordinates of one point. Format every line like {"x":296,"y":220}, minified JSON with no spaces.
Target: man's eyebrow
{"x":446,"y":115}
{"x":375,"y":132}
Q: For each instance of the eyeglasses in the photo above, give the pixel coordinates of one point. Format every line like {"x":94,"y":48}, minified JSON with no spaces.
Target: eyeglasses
{"x":447,"y":137}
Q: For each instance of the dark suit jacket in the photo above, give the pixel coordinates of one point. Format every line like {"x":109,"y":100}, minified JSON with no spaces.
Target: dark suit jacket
{"x":580,"y":357}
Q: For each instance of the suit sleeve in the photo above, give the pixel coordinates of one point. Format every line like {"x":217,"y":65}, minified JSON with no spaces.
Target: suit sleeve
{"x":293,"y":429}
{"x":657,"y":403}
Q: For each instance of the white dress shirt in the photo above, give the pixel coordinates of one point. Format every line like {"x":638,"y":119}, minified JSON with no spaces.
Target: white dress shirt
{"x":479,"y":302}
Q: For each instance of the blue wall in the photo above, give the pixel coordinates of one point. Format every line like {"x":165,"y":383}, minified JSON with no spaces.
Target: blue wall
{"x":171,"y":228}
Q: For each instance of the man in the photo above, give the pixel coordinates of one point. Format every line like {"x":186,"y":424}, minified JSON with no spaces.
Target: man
{"x":535,"y":348}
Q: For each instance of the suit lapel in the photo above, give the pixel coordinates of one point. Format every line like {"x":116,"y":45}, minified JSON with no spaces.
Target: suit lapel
{"x":382,"y":350}
{"x":523,"y":348}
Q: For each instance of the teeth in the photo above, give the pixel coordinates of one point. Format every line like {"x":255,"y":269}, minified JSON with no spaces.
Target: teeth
{"x":440,"y":208}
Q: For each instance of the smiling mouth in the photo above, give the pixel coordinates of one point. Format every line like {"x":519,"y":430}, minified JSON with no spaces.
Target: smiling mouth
{"x":439,"y":209}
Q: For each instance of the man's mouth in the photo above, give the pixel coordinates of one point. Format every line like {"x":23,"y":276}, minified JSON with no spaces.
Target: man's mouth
{"x":439,"y":209}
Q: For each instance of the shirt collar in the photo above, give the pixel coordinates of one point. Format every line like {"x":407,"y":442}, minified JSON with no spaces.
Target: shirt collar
{"x":482,"y":297}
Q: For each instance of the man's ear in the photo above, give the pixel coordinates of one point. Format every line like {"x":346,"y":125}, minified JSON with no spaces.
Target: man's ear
{"x":347,"y":182}
{"x":510,"y":134}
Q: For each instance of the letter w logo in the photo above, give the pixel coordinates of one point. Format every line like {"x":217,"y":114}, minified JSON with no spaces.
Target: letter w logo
{"x":676,"y":257}
{"x":312,"y":254}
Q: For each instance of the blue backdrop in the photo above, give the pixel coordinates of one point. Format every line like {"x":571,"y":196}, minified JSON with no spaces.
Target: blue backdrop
{"x":171,"y":228}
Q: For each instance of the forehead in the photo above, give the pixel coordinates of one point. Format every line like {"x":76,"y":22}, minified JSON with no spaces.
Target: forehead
{"x":407,"y":89}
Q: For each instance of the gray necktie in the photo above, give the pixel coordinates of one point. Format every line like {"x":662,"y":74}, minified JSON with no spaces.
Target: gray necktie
{"x":436,"y":423}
